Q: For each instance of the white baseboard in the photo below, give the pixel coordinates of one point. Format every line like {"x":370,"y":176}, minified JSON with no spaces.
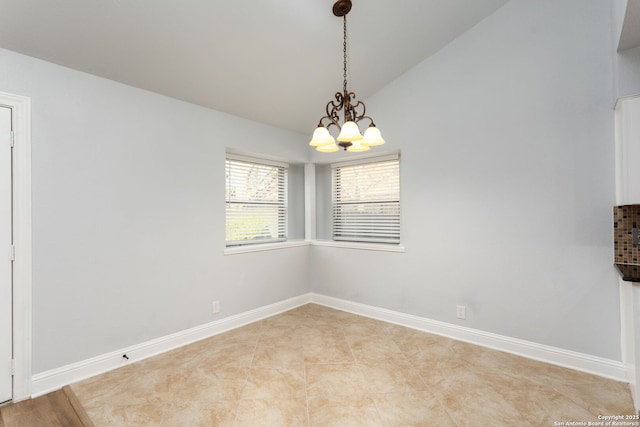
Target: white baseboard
{"x":55,"y":379}
{"x":566,"y":358}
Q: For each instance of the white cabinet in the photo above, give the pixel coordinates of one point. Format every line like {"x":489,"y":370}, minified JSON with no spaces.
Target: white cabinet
{"x":628,"y":151}
{"x":628,"y":193}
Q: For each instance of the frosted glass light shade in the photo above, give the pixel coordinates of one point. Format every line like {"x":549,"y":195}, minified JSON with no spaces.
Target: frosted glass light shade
{"x":328,"y":148}
{"x":372,"y":137}
{"x":358,"y":147}
{"x":321,"y":136}
{"x":349,"y":132}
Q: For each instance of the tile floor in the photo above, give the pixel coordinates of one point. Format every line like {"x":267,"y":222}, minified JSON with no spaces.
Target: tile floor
{"x":314,"y":366}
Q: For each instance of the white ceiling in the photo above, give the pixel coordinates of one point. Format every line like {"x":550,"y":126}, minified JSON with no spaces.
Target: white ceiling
{"x":273,"y":61}
{"x":630,"y":35}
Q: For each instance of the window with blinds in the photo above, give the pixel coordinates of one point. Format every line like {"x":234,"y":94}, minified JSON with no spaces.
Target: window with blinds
{"x":256,"y":201}
{"x":366,"y":200}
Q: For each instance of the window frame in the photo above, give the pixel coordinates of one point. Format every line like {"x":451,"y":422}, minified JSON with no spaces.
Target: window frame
{"x":282,"y":203}
{"x":366,"y":237}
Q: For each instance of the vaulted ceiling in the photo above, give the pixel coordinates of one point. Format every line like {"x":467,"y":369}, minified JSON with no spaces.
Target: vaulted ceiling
{"x":274,"y":61}
{"x":630,"y":34}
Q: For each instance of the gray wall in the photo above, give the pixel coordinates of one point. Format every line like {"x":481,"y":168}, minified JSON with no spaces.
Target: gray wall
{"x":128,"y":214}
{"x":507,"y":175}
{"x":295,"y":200}
{"x":324,"y":213}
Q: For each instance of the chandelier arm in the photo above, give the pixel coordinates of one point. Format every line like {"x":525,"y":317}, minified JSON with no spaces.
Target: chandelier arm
{"x":330,"y":122}
{"x":366,"y":118}
{"x":337,"y":105}
{"x":333,"y":107}
{"x":357,"y":115}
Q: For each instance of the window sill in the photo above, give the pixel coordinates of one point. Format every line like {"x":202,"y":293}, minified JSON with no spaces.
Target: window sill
{"x":358,"y":245}
{"x":243,"y":249}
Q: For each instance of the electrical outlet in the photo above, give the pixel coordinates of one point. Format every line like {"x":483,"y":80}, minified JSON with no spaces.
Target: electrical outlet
{"x":215,"y":307}
{"x":461,"y":312}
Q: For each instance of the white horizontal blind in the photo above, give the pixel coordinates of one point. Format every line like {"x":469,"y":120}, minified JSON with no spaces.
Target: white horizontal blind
{"x":366,"y":200}
{"x":256,"y":201}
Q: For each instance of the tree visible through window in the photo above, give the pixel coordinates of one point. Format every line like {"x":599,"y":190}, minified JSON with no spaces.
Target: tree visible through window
{"x":366,"y":200}
{"x":256,"y":202}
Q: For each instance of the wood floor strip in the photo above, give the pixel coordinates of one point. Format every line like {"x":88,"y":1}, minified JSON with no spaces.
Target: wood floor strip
{"x":50,"y":410}
{"x":63,"y":410}
{"x":77,"y":406}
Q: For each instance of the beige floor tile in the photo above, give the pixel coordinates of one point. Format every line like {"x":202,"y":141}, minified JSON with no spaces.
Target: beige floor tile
{"x":599,"y":396}
{"x":198,"y":414}
{"x":134,"y":415}
{"x":111,"y":384}
{"x":442,"y":374}
{"x":275,"y":383}
{"x":310,"y":335}
{"x":207,"y":384}
{"x":287,"y":336}
{"x":272,"y":412}
{"x":429,"y":350}
{"x":343,"y":411}
{"x":539,"y":404}
{"x":411,"y":409}
{"x":375,"y":349}
{"x":228,"y":355}
{"x":480,"y":406}
{"x":392,"y":376}
{"x":363,"y":328}
{"x":327,"y":351}
{"x":273,"y":354}
{"x":334,"y":380}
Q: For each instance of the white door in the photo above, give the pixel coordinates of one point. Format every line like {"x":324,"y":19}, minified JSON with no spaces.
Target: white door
{"x":6,"y":328}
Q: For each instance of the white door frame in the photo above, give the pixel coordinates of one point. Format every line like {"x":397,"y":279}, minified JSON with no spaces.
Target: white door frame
{"x":21,"y":116}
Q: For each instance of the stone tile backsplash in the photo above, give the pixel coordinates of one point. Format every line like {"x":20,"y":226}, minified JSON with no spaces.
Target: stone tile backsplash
{"x":625,"y":219}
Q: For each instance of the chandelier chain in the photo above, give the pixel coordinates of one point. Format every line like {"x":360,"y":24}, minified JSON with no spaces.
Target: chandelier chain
{"x":344,"y":54}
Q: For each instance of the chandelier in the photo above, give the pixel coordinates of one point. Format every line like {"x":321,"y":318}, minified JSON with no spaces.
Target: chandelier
{"x":349,"y":136}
